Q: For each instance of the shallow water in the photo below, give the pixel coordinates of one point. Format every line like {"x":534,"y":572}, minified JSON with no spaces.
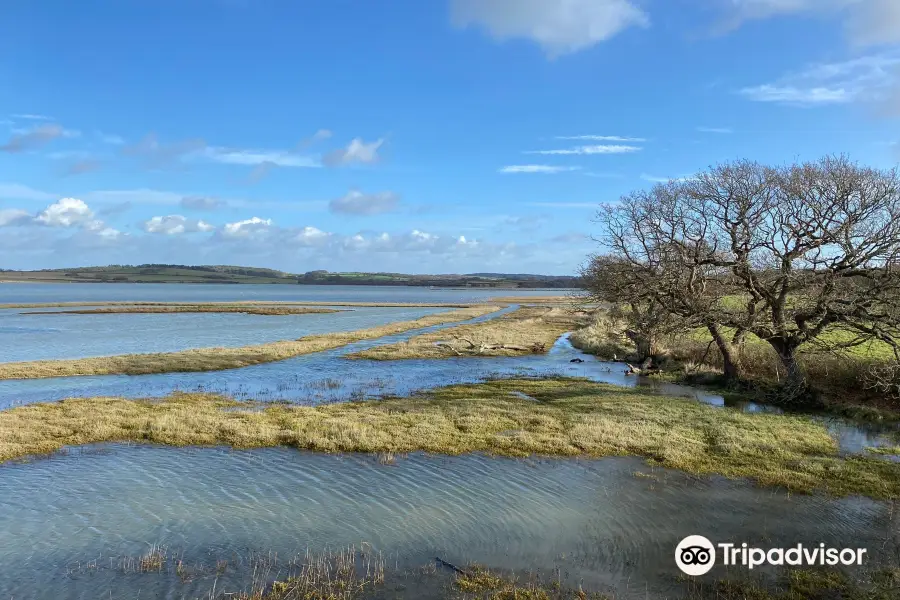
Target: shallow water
{"x":186,"y":292}
{"x":56,"y":336}
{"x":595,"y":519}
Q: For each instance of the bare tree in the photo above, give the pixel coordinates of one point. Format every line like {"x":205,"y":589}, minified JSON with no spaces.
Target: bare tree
{"x":784,"y":253}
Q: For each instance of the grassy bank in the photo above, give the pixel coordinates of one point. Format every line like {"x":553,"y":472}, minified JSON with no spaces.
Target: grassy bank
{"x":217,"y":359}
{"x":839,"y":377}
{"x":524,"y":331}
{"x":194,"y":308}
{"x":561,"y":417}
{"x":803,"y":584}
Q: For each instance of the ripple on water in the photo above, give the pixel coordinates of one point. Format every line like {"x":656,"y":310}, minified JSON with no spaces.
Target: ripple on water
{"x":596,"y":519}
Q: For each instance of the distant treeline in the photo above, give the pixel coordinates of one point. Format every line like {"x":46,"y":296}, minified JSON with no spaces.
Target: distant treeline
{"x":172,"y":273}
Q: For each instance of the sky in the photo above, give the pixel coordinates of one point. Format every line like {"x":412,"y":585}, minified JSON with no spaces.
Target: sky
{"x":419,"y":136}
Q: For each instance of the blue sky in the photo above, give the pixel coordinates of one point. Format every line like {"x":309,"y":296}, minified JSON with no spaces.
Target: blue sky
{"x":406,"y":135}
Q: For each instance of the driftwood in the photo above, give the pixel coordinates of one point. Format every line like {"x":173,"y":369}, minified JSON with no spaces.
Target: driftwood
{"x":451,"y":566}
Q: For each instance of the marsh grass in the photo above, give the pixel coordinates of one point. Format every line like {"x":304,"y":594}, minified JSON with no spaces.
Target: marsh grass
{"x":340,"y":575}
{"x":567,"y":417}
{"x":523,"y":331}
{"x":195,"y":308}
{"x":217,"y":359}
{"x":478,"y":582}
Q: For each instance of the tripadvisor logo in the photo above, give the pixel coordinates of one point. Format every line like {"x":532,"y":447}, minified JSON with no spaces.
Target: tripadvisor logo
{"x":695,"y":555}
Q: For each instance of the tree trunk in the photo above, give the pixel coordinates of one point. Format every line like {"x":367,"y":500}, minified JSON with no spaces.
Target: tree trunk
{"x":642,"y":343}
{"x":730,"y":363}
{"x":795,"y":386}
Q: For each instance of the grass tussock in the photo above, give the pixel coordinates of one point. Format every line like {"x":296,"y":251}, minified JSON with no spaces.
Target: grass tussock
{"x":217,"y":359}
{"x":523,"y":331}
{"x":193,"y":308}
{"x":478,"y":582}
{"x":564,"y":417}
{"x":342,"y":575}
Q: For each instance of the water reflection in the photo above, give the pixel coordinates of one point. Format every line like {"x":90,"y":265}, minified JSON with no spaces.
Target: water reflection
{"x":600,"y":522}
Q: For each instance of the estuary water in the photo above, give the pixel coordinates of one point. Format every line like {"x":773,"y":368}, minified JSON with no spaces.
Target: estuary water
{"x":69,"y":524}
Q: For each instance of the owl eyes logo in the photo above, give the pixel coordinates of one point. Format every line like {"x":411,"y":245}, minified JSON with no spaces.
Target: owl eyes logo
{"x":695,"y":555}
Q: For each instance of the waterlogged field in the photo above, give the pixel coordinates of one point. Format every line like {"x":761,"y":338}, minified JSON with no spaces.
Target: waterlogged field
{"x":149,"y":521}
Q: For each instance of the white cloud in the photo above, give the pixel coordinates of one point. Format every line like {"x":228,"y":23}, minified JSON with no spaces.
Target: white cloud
{"x":598,"y":149}
{"x":546,"y":169}
{"x":866,"y":22}
{"x":718,"y":130}
{"x":602,"y":138}
{"x":253,"y":227}
{"x":559,"y":26}
{"x":29,"y":139}
{"x":114,"y":140}
{"x":357,"y":151}
{"x":258,"y":157}
{"x":13,"y":216}
{"x":176,"y":224}
{"x":32,"y":117}
{"x":67,"y":212}
{"x":358,"y":203}
{"x":311,"y":236}
{"x":866,"y":78}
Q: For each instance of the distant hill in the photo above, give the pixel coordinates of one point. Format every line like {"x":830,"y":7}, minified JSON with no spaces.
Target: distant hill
{"x":162,"y":273}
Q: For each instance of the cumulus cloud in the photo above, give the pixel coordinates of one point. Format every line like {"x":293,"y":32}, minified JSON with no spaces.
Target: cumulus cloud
{"x":357,"y":151}
{"x":311,"y":236}
{"x":558,"y":26}
{"x":546,"y":169}
{"x":66,"y":212}
{"x":32,"y":138}
{"x":201,"y":203}
{"x":13,"y":216}
{"x":253,"y":227}
{"x":867,"y":78}
{"x":358,"y":203}
{"x":176,"y":224}
{"x":595,"y":149}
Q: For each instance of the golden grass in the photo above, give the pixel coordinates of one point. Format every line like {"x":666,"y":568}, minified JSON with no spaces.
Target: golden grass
{"x":567,"y":417}
{"x":217,"y":359}
{"x":522,"y":331}
{"x":193,"y":308}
